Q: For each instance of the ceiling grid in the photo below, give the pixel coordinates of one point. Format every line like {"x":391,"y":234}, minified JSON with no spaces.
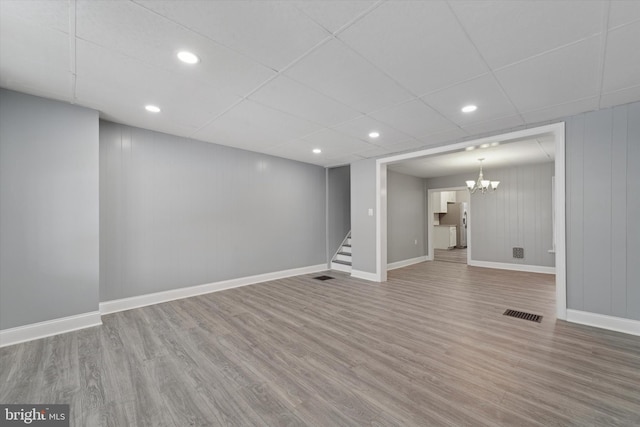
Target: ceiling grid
{"x":285,"y":77}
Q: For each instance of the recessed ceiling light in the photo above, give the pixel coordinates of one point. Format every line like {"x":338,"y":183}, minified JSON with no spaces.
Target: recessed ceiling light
{"x":470,"y":148}
{"x":469,"y":108}
{"x":317,"y":151}
{"x":495,"y":144}
{"x":485,"y":145}
{"x":188,"y":57}
{"x":374,"y":134}
{"x":152,"y":108}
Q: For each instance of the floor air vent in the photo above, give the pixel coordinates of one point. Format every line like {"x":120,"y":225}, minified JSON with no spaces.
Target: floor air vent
{"x":523,"y":315}
{"x":323,"y":278}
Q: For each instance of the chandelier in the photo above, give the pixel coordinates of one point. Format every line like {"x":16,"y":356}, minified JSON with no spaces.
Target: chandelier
{"x":482,"y":184}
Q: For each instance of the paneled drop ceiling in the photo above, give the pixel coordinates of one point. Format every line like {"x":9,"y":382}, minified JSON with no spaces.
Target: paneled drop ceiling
{"x":285,"y":77}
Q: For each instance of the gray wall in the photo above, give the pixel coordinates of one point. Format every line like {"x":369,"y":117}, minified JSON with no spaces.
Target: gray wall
{"x":48,"y":209}
{"x":518,"y":214}
{"x":363,"y":226}
{"x":338,"y":207}
{"x":406,"y":213}
{"x":176,"y":212}
{"x":603,"y":211}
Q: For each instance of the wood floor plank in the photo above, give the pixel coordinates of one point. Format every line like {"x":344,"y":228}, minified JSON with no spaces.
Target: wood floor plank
{"x":428,"y":347}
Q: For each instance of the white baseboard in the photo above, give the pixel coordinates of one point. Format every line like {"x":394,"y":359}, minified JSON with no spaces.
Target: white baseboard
{"x":514,"y":267}
{"x":49,"y":328}
{"x":407,"y":262}
{"x":365,"y":275}
{"x":123,"y":304}
{"x":340,"y":267}
{"x":618,"y":324}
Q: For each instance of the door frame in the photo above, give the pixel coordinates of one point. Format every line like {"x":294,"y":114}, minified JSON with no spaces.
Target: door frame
{"x":430,"y":226}
{"x":556,"y":129}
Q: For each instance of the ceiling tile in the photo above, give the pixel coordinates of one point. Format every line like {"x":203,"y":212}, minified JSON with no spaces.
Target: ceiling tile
{"x":419,"y":44}
{"x":292,"y":97}
{"x":376,"y":151}
{"x":291,"y":152}
{"x":446,"y":136}
{"x":362,"y":126}
{"x":34,"y":58}
{"x":624,"y":96}
{"x":484,"y":92}
{"x":334,"y":15}
{"x":136,"y":32}
{"x":336,"y":148}
{"x":253,"y":126}
{"x":509,"y":31}
{"x":623,"y":12}
{"x":413,"y":118}
{"x":562,"y":110}
{"x":274,"y":33}
{"x":333,"y":143}
{"x":343,"y":160}
{"x":102,"y":85}
{"x":622,"y":59}
{"x":560,"y":76}
{"x":138,"y":117}
{"x":403,"y":147}
{"x":43,"y":13}
{"x":341,"y":74}
{"x":501,"y":124}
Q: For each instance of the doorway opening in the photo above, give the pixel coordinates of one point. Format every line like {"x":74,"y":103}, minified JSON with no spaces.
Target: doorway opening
{"x":448,"y":214}
{"x":554,"y":131}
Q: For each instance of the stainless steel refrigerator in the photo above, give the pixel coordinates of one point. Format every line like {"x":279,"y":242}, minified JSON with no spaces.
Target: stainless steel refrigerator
{"x":457,"y":215}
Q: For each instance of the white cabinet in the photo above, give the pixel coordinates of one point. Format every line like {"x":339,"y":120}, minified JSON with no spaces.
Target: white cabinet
{"x":440,"y":200}
{"x":444,"y":236}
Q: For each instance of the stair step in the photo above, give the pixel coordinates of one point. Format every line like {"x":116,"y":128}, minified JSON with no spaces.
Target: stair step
{"x":337,"y":261}
{"x":342,"y":257}
{"x":346,"y":245}
{"x":344,"y":253}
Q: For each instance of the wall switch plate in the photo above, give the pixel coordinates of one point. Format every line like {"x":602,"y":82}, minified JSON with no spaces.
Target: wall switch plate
{"x":415,"y":242}
{"x":370,"y":211}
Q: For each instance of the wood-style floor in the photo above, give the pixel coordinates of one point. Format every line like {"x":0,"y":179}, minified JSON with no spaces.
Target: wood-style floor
{"x":451,"y":255}
{"x":430,"y":347}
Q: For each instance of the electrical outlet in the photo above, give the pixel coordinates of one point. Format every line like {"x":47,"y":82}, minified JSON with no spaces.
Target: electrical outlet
{"x":415,"y":242}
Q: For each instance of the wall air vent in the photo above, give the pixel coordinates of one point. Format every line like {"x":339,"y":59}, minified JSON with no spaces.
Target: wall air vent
{"x":518,"y":252}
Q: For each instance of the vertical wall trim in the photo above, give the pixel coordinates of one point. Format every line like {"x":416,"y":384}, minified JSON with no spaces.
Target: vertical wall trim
{"x":560,"y":202}
{"x":584,"y":126}
{"x":326,"y":216}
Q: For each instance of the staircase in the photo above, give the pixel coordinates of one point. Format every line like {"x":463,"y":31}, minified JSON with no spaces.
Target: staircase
{"x":341,"y":261}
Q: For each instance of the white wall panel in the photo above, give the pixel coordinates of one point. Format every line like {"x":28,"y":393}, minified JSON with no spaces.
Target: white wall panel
{"x":177,"y":212}
{"x":48,"y":210}
{"x":603,"y":207}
